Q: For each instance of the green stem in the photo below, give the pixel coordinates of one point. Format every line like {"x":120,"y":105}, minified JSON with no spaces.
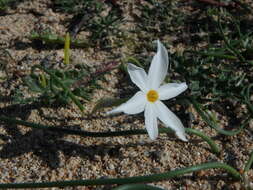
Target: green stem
{"x":128,"y":180}
{"x":207,"y":118}
{"x":249,"y":163}
{"x":137,"y":186}
{"x":213,"y":146}
{"x":66,"y":49}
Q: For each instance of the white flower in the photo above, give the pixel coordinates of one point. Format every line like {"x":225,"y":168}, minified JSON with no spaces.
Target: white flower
{"x":148,"y":99}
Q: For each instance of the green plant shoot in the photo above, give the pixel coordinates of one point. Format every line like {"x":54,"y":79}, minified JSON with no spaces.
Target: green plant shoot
{"x":67,"y":49}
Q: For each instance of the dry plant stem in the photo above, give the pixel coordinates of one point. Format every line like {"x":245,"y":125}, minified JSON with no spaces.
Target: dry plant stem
{"x":214,"y":148}
{"x":75,"y":27}
{"x":128,"y":180}
{"x":106,"y":67}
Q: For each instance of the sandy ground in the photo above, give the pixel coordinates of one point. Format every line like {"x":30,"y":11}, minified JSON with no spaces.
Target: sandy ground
{"x":30,"y":155}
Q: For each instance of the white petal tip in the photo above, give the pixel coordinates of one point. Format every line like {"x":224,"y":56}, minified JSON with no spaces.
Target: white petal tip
{"x":131,"y":66}
{"x":152,"y":138}
{"x":112,"y":112}
{"x":158,"y":42}
{"x":182,"y":136}
{"x":160,"y":45}
{"x":184,"y":85}
{"x":109,"y":113}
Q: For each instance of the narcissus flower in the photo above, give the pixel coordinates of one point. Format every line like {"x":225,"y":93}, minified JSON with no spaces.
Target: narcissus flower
{"x":148,"y":99}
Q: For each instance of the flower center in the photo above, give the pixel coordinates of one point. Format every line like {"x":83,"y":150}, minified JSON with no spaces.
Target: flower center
{"x":152,"y":95}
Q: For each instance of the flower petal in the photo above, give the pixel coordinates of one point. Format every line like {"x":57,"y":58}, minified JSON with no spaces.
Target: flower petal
{"x":159,"y":67}
{"x":171,"y":90}
{"x":138,"y":76}
{"x":151,"y":121}
{"x":133,"y":106}
{"x":170,"y":119}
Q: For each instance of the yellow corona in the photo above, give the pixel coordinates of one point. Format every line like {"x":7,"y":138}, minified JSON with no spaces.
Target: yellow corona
{"x":152,"y":96}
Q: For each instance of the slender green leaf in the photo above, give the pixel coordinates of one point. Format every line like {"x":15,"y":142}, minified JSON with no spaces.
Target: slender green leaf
{"x":249,"y":163}
{"x":137,"y":187}
{"x":66,"y":130}
{"x":128,"y":180}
